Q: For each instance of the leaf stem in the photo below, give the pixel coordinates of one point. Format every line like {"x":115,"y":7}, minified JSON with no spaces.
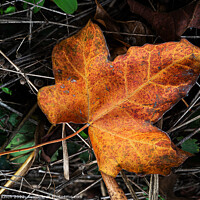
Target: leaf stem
{"x":45,"y":143}
{"x":115,"y":192}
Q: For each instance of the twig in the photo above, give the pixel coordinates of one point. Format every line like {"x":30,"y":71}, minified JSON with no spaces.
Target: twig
{"x":30,"y":25}
{"x":17,"y":69}
{"x":16,"y":112}
{"x":147,"y":182}
{"x":75,"y":196}
{"x":87,"y":12}
{"x":126,"y":181}
{"x":74,"y":177}
{"x":195,"y":170}
{"x":51,"y":178}
{"x":191,"y":37}
{"x":37,"y":185}
{"x":61,"y":160}
{"x":55,"y":11}
{"x":137,"y":186}
{"x":15,"y":21}
{"x":27,"y":74}
{"x":7,"y":3}
{"x":36,"y":189}
{"x":188,"y":109}
{"x":152,"y":5}
{"x":10,"y":109}
{"x":188,"y":137}
{"x":12,"y":37}
{"x":130,"y":34}
{"x":17,"y":54}
{"x":79,"y":136}
{"x":16,"y":13}
{"x":188,"y":122}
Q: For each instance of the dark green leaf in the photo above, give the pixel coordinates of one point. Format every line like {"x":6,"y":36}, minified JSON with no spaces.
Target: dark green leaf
{"x":73,"y":148}
{"x":10,"y":9}
{"x":14,"y":119}
{"x":191,"y":146}
{"x":68,"y":6}
{"x":55,"y":155}
{"x":82,"y":134}
{"x":6,"y":90}
{"x":21,"y":140}
{"x":1,"y":11}
{"x":2,"y":138}
{"x":4,"y":163}
{"x":84,"y":156}
{"x":24,"y":138}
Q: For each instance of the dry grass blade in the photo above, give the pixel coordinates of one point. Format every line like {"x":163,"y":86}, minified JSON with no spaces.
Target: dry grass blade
{"x":153,"y":187}
{"x":65,"y":154}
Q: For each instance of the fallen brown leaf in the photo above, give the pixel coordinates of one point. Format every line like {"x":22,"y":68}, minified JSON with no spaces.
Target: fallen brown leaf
{"x":169,"y":26}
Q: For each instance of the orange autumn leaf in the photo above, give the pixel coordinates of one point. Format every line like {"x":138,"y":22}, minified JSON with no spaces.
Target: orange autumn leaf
{"x":121,"y":99}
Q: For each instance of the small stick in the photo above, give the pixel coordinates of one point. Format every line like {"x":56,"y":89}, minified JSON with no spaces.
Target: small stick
{"x":137,"y":186}
{"x":186,"y":123}
{"x":188,"y":137}
{"x":79,"y":136}
{"x":126,"y":181}
{"x":17,"y":69}
{"x":185,"y":102}
{"x":77,"y":195}
{"x":27,"y":74}
{"x":152,"y":5}
{"x":188,"y":109}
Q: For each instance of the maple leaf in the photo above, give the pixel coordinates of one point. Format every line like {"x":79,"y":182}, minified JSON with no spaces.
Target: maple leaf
{"x":169,"y":26}
{"x":121,"y":99}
